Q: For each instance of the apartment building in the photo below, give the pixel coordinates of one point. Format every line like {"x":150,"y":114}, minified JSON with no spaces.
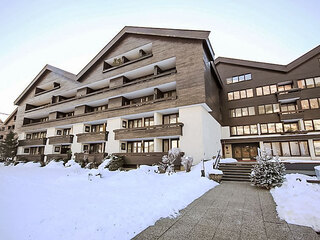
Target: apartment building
{"x":151,"y":89}
{"x":274,"y":107}
{"x":8,"y":125}
{"x":146,"y":91}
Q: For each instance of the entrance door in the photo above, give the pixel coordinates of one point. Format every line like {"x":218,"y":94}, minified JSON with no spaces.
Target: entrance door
{"x":245,"y":151}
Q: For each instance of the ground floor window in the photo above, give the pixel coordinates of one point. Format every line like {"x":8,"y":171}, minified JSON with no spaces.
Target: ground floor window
{"x":287,"y":149}
{"x":36,"y":150}
{"x":245,"y":151}
{"x":91,"y":148}
{"x":316,"y":144}
{"x":140,"y":146}
{"x":167,"y":144}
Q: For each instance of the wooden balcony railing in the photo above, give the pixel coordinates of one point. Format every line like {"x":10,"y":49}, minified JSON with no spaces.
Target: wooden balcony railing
{"x":58,"y":157}
{"x":31,"y":158}
{"x":90,"y":157}
{"x":92,"y":137}
{"x":61,"y":139}
{"x":33,"y":142}
{"x":292,"y":94}
{"x":174,"y":129}
{"x":145,"y":158}
{"x":291,"y":115}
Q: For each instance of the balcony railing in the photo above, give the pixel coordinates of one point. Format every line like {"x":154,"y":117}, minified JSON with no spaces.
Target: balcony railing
{"x":174,"y":129}
{"x":31,"y":158}
{"x":145,"y":158}
{"x":289,"y":95}
{"x":58,"y":156}
{"x":90,"y":157}
{"x":291,"y":116}
{"x":92,"y":137}
{"x":33,"y":142}
{"x":61,"y":139}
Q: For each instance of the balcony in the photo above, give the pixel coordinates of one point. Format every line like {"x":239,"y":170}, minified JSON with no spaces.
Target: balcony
{"x":92,"y":137}
{"x":58,"y":157}
{"x":289,"y":95}
{"x":291,"y":116}
{"x":33,"y":142}
{"x":150,"y":131}
{"x":61,"y":139}
{"x":31,"y":158}
{"x":145,"y":158}
{"x":90,"y":157}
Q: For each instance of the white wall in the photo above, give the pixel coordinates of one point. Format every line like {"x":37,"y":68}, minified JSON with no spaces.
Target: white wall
{"x":113,"y":146}
{"x":201,"y":133}
{"x":48,"y":149}
{"x":76,"y":129}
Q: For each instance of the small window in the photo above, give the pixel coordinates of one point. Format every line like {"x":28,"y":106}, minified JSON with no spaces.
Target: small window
{"x":314,"y":103}
{"x":245,"y":111}
{"x":26,"y":150}
{"x":233,"y":131}
{"x":241,"y":78}
{"x":238,"y":112}
{"x":294,"y":146}
{"x":269,"y":109}
{"x":240,"y":130}
{"x":271,"y":128}
{"x":236,"y":95}
{"x":254,"y":129}
{"x":57,"y":149}
{"x":316,"y":124}
{"x":248,"y":76}
{"x":246,"y":130}
{"x":301,"y":84}
{"x":266,"y":90}
{"x":309,"y":83}
{"x":261,"y":109}
{"x":316,"y":145}
{"x":229,"y":80}
{"x":279,"y":127}
{"x":87,"y":128}
{"x":264,"y":128}
{"x":235,"y":79}
{"x":304,"y":149}
{"x":249,"y":93}
{"x":305,"y":104}
{"x":276,"y":148}
{"x":59,"y":132}
{"x":273,"y":88}
{"x":251,"y":111}
{"x":285,"y":149}
{"x":308,"y":125}
{"x":230,"y":96}
{"x":317,"y":81}
{"x":243,"y":94}
{"x":276,"y":108}
{"x":259,"y":91}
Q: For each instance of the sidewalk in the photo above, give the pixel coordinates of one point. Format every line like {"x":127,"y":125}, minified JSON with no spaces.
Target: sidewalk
{"x":231,"y":210}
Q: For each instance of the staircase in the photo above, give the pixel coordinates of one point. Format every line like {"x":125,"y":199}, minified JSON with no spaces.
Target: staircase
{"x":239,"y":172}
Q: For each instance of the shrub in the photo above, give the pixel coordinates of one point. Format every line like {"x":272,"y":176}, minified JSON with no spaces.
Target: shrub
{"x":167,"y":163}
{"x":187,"y":163}
{"x":115,"y":162}
{"x":268,"y":172}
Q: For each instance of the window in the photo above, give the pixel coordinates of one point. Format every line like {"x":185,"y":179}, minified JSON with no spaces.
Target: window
{"x":245,"y":93}
{"x":261,"y":109}
{"x":316,"y":124}
{"x":269,"y":108}
{"x":169,"y":119}
{"x":148,"y":146}
{"x":314,"y":103}
{"x":273,"y":88}
{"x":301,"y":84}
{"x":309,"y":83}
{"x":317,"y":81}
{"x":97,"y":128}
{"x":244,"y":130}
{"x":316,"y":145}
{"x":308,"y":125}
{"x":135,"y":123}
{"x":95,"y":148}
{"x":266,"y":90}
{"x":259,"y":91}
{"x":287,"y":149}
{"x":57,"y":149}
{"x":148,"y":121}
{"x":59,"y":132}
{"x":290,"y":127}
{"x":305,"y":104}
{"x":242,"y":112}
{"x":168,"y":144}
{"x":271,"y":128}
{"x":289,"y":107}
{"x":276,"y":107}
{"x":239,"y":78}
{"x":26,"y":150}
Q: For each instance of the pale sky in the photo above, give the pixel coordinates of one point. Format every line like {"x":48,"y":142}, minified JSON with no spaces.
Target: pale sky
{"x":68,"y":34}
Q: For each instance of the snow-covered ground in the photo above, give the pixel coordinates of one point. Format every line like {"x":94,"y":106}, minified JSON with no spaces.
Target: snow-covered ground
{"x":55,"y":202}
{"x":298,"y":202}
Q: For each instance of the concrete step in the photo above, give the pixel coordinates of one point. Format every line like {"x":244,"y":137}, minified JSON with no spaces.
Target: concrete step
{"x":236,"y":179}
{"x":236,"y":175}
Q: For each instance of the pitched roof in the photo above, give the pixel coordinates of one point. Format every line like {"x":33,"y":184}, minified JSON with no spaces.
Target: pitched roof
{"x":270,"y":66}
{"x":166,"y":32}
{"x":10,"y":116}
{"x":46,"y":68}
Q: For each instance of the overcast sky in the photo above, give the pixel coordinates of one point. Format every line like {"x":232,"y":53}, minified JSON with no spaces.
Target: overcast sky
{"x":68,"y":34}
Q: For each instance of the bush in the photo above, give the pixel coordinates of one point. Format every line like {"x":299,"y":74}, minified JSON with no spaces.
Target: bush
{"x":167,"y":163}
{"x":115,"y":162}
{"x":187,"y":163}
{"x":268,"y":172}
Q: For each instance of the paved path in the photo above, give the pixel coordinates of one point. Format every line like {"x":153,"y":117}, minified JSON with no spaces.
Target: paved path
{"x":231,"y":210}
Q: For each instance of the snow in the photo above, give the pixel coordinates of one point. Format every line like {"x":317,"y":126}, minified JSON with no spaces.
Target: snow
{"x":214,"y":171}
{"x":298,"y":201}
{"x":57,"y":202}
{"x":228,"y":160}
{"x":299,"y":161}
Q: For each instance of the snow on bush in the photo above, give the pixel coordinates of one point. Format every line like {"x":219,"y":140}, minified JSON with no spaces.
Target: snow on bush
{"x":268,"y":172}
{"x":167,"y":163}
{"x":298,"y":201}
{"x":186,"y":162}
{"x":62,"y":203}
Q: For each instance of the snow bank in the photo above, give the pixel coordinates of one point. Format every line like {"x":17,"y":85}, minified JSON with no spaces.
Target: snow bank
{"x":298,"y":201}
{"x":56,"y":202}
{"x":228,"y":160}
